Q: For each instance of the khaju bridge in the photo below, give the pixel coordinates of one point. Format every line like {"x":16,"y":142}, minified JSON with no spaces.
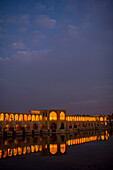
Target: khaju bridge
{"x":48,"y":121}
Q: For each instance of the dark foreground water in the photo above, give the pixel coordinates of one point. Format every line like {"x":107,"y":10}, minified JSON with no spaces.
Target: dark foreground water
{"x":86,"y":150}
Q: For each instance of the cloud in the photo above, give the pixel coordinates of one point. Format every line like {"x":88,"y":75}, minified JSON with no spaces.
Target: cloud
{"x":18,"y":45}
{"x":25,"y":56}
{"x":45,"y":22}
{"x":4,"y":59}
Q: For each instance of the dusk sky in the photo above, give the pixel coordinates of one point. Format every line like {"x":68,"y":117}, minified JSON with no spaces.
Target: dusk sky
{"x":56,"y":54}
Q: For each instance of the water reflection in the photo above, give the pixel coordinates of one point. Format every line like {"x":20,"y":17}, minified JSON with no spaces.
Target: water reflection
{"x":47,"y":145}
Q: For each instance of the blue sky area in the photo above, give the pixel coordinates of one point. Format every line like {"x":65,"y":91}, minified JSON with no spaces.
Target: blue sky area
{"x":56,"y":54}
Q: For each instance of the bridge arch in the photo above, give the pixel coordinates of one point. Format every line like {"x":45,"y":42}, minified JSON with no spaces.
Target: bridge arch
{"x":62,"y":126}
{"x":20,"y":117}
{"x":53,"y":116}
{"x":18,"y":127}
{"x":53,"y":126}
{"x":62,"y":116}
{"x":8,"y":127}
{"x":35,"y":126}
{"x":6,"y":117}
{"x":16,"y":117}
{"x":27,"y":126}
{"x":53,"y":148}
{"x":70,"y":126}
{"x":42,"y":126}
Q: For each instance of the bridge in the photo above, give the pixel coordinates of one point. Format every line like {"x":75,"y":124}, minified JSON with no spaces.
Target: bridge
{"x":48,"y":121}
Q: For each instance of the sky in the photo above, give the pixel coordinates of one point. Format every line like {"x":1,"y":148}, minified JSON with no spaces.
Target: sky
{"x":56,"y":54}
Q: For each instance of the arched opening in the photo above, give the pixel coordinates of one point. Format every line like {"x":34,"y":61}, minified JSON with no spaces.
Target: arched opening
{"x":7,"y":142}
{"x":26,"y":140}
{"x":35,"y":126}
{"x":37,"y":118}
{"x":27,"y":127}
{"x":16,"y":117}
{"x":62,"y":126}
{"x":11,"y":117}
{"x":70,"y":126}
{"x":17,"y":141}
{"x":92,"y":124}
{"x":6,"y":117}
{"x":53,"y":148}
{"x":78,"y":124}
{"x":0,"y":128}
{"x":29,"y":117}
{"x":20,"y":117}
{"x":8,"y":127}
{"x":53,"y":126}
{"x":41,"y":117}
{"x":62,"y":116}
{"x":101,"y":118}
{"x":18,"y":127}
{"x":33,"y":117}
{"x":75,"y":126}
{"x":42,"y":126}
{"x":1,"y":117}
{"x":53,"y":116}
{"x":62,"y":148}
{"x":25,"y":117}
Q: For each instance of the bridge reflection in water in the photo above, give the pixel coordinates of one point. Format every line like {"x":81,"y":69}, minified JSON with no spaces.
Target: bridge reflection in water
{"x":47,"y":145}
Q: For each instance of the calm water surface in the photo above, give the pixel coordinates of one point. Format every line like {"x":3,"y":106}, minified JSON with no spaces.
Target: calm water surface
{"x":85,"y":150}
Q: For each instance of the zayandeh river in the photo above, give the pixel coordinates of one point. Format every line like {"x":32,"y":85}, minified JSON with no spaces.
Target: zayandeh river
{"x":84,"y":150}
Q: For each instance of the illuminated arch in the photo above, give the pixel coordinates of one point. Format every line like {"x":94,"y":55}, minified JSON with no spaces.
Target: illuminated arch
{"x":20,"y":117}
{"x":8,"y":127}
{"x":37,"y":118}
{"x":19,"y":150}
{"x":27,"y":127}
{"x":9,"y":152}
{"x":18,"y":127}
{"x":14,"y":151}
{"x":62,"y":116}
{"x":68,"y":118}
{"x":75,"y":118}
{"x":33,"y":117}
{"x":42,"y":126}
{"x":53,"y":116}
{"x":53,"y":148}
{"x":101,"y":118}
{"x":25,"y":117}
{"x":17,"y":141}
{"x":105,"y":118}
{"x":41,"y":117}
{"x":16,"y":117}
{"x":6,"y":117}
{"x":1,"y":117}
{"x":29,"y":117}
{"x":62,"y":148}
{"x":11,"y":117}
